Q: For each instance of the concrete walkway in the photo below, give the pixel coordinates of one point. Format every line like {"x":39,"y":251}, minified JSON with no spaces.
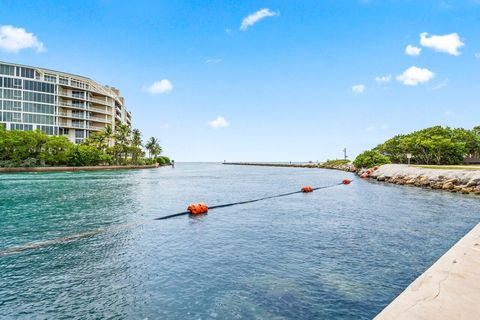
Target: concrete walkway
{"x":449,"y":289}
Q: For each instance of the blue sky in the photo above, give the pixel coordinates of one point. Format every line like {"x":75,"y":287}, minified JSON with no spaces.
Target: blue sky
{"x":296,"y":83}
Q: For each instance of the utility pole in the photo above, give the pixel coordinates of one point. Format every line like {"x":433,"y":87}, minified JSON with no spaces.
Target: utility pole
{"x":345,"y":153}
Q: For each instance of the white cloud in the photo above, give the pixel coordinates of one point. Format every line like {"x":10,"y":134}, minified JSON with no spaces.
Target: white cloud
{"x":213,"y":61}
{"x":414,"y":76}
{"x":158,"y":87}
{"x":412,"y":50}
{"x":449,"y":43}
{"x":477,"y":55}
{"x":220,"y":122}
{"x":358,"y":88}
{"x":383,"y":79}
{"x":253,"y":18}
{"x":13,"y":40}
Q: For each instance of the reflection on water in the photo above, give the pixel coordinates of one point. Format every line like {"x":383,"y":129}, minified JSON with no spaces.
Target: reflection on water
{"x":343,"y":252}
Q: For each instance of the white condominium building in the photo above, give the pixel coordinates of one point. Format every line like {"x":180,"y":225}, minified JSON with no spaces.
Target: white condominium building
{"x":57,"y":103}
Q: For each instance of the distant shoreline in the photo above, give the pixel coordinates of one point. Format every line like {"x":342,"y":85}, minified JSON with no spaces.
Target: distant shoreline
{"x":86,"y":168}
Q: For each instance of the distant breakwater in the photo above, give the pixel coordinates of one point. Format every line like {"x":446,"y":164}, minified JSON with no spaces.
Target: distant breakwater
{"x":87,"y":168}
{"x":344,"y":167}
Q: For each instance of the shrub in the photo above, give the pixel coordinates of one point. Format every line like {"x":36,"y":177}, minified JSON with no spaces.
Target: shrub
{"x":162,"y":160}
{"x":369,"y":159}
{"x":82,"y":155}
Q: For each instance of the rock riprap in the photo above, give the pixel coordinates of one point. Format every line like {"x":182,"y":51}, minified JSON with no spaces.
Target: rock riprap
{"x":461,"y":181}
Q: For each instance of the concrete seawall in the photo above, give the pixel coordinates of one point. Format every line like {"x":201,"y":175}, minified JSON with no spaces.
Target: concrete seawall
{"x":59,"y":169}
{"x":449,"y":289}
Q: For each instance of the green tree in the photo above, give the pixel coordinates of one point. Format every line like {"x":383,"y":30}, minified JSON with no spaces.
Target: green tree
{"x":122,"y":138}
{"x":54,"y":151}
{"x":153,"y":147}
{"x":369,"y":159}
{"x":136,"y":149}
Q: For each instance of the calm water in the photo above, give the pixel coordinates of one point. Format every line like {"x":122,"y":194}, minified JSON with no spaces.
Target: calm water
{"x":339,"y":253}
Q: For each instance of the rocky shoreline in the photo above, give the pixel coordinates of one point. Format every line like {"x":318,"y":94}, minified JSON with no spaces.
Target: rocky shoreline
{"x":460,"y":181}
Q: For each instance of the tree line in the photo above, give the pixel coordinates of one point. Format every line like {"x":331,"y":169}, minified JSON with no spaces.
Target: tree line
{"x":431,"y":146}
{"x":107,"y":147}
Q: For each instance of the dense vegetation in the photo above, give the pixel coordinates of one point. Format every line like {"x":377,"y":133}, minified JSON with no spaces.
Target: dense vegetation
{"x":35,"y":148}
{"x":370,"y":158}
{"x":435,"y":145}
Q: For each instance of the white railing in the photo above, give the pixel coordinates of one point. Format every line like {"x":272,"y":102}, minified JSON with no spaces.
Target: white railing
{"x":79,"y":107}
{"x":83,"y":117}
{"x":79,"y":126}
{"x":86,"y":98}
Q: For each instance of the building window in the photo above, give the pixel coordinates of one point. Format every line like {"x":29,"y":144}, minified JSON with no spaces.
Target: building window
{"x":50,"y":78}
{"x":12,"y":105}
{"x":78,"y":94}
{"x":39,"y":86}
{"x":7,"y":70}
{"x":48,"y":130}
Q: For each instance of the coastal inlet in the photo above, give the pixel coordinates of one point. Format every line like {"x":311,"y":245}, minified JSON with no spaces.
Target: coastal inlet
{"x":342,"y":252}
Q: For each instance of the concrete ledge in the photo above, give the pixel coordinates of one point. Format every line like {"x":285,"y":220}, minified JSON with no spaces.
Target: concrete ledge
{"x":89,"y":168}
{"x":449,"y":289}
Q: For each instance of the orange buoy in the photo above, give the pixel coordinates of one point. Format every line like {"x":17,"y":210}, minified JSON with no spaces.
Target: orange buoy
{"x":346,"y":181}
{"x":307,"y":189}
{"x":197,"y":208}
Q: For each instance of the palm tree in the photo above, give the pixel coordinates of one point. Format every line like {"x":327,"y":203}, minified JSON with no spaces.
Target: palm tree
{"x":153,"y":147}
{"x":136,"y":143}
{"x":122,"y":138}
{"x":107,"y":134}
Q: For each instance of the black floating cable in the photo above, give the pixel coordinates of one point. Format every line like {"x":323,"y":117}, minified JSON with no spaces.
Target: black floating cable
{"x":74,"y":237}
{"x":245,"y":202}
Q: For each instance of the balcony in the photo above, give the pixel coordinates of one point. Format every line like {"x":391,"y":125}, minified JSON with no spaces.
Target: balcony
{"x":80,"y":126}
{"x":78,"y":107}
{"x":83,"y":98}
{"x":83,"y":117}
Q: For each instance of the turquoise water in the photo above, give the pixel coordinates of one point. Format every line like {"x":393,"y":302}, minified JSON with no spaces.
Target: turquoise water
{"x":338,"y":253}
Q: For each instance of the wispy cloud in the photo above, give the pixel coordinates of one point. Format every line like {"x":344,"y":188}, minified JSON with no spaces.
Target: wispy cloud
{"x":253,"y":18}
{"x":159,"y":87}
{"x":13,"y":40}
{"x":477,"y":55}
{"x":164,"y":126}
{"x":213,"y":61}
{"x":358,"y":88}
{"x":440,"y":85}
{"x":449,"y":43}
{"x":382,"y":127}
{"x":383,"y":79}
{"x":219,"y":122}
{"x":414,"y":76}
{"x":412,"y":50}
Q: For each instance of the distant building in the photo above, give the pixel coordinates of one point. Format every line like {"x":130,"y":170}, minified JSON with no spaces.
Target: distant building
{"x":57,"y":103}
